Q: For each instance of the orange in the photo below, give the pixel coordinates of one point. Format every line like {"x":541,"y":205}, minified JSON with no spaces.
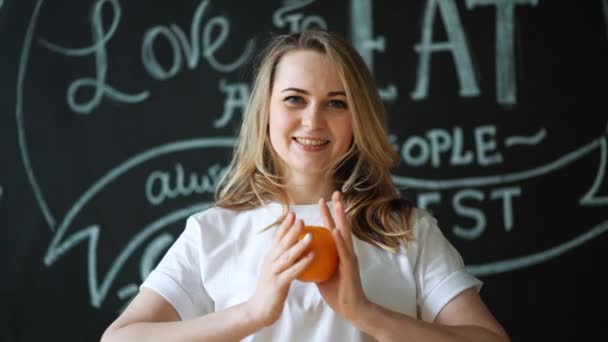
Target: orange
{"x":325,"y":261}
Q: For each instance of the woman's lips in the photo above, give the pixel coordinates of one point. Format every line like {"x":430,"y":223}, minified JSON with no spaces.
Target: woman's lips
{"x":311,"y":144}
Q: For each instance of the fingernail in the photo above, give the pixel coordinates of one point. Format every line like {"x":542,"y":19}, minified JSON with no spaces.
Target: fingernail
{"x":307,"y":237}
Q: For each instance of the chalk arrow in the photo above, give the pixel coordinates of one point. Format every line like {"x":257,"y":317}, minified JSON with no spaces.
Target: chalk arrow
{"x":63,"y":242}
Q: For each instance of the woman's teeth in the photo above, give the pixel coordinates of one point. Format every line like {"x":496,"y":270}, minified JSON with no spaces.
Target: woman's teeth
{"x":311,"y":142}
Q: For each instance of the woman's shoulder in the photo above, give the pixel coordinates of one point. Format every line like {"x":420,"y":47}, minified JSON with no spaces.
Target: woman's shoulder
{"x":427,"y":234}
{"x":422,"y":222}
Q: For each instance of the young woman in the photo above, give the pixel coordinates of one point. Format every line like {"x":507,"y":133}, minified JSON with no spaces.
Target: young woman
{"x":313,"y":150}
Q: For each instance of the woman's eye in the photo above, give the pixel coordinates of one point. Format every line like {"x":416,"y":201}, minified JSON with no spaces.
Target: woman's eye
{"x":294,"y":99}
{"x":337,"y":104}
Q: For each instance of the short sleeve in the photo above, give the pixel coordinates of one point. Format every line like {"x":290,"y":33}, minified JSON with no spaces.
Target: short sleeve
{"x":177,"y":277}
{"x":439,"y":269}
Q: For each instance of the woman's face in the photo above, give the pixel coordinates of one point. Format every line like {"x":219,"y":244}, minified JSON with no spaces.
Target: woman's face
{"x":310,"y":124}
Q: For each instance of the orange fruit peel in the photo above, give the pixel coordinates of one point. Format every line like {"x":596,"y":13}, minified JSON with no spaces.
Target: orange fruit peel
{"x":325,"y":261}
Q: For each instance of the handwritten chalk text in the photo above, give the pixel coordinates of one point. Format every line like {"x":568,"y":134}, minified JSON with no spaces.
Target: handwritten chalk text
{"x":192,"y":50}
{"x":438,"y":144}
{"x":467,"y":204}
{"x":163,"y":185}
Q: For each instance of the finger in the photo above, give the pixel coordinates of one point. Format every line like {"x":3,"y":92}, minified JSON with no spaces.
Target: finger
{"x":287,"y":222}
{"x":291,"y":255}
{"x":341,"y":219}
{"x":343,"y":252}
{"x":328,"y":221}
{"x":291,"y":236}
{"x":339,"y":212}
{"x":292,"y":272}
{"x":278,"y":246}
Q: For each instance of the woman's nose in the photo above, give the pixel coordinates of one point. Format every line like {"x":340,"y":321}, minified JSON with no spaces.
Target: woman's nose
{"x":312,"y":117}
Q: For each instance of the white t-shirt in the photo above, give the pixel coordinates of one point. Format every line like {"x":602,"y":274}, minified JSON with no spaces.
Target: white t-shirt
{"x":215,"y":262}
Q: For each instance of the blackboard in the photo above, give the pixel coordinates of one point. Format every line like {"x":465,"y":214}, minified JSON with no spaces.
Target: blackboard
{"x":119,"y":116}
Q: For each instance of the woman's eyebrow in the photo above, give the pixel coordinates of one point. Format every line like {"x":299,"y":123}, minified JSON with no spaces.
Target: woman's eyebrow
{"x":298,"y":90}
{"x":336,"y":93}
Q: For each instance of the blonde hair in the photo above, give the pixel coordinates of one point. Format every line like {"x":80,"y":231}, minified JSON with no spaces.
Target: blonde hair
{"x":374,"y":209}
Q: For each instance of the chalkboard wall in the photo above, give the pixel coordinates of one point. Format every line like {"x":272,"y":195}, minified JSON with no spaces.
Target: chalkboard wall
{"x":117,"y":118}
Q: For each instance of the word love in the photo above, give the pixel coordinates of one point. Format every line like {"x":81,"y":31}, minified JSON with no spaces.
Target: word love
{"x":185,"y":50}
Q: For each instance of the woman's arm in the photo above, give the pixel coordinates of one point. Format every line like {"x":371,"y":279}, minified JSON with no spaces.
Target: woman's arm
{"x":150,"y":317}
{"x":464,"y":318}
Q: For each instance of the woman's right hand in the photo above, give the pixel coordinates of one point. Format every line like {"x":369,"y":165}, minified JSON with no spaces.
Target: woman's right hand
{"x":283,"y":262}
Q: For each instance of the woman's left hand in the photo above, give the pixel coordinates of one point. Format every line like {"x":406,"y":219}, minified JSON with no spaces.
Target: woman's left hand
{"x":343,"y":291}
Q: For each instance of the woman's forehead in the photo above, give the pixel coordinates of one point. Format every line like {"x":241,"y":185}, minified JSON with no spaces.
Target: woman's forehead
{"x":308,"y":70}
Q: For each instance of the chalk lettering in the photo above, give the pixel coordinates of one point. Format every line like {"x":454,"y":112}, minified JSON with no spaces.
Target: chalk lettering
{"x":456,"y":44}
{"x":297,"y":21}
{"x":475,"y":214}
{"x":436,"y":147}
{"x":159,"y":185}
{"x":237,"y":95}
{"x":506,"y":86}
{"x":507,"y":203}
{"x":194,"y":48}
{"x":590,"y":198}
{"x":461,"y":204}
{"x":413,"y":144}
{"x":417,"y":150}
{"x":362,"y":31}
{"x":478,"y":216}
{"x":362,"y":37}
{"x":151,"y":64}
{"x":98,"y":48}
{"x":459,"y":156}
{"x":62,"y":242}
{"x":486,"y":143}
{"x":440,"y":141}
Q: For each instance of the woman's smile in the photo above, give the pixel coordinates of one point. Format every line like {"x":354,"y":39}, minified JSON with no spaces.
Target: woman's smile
{"x":311,"y":144}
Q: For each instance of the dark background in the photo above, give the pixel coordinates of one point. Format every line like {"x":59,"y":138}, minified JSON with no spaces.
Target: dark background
{"x":71,"y":262}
